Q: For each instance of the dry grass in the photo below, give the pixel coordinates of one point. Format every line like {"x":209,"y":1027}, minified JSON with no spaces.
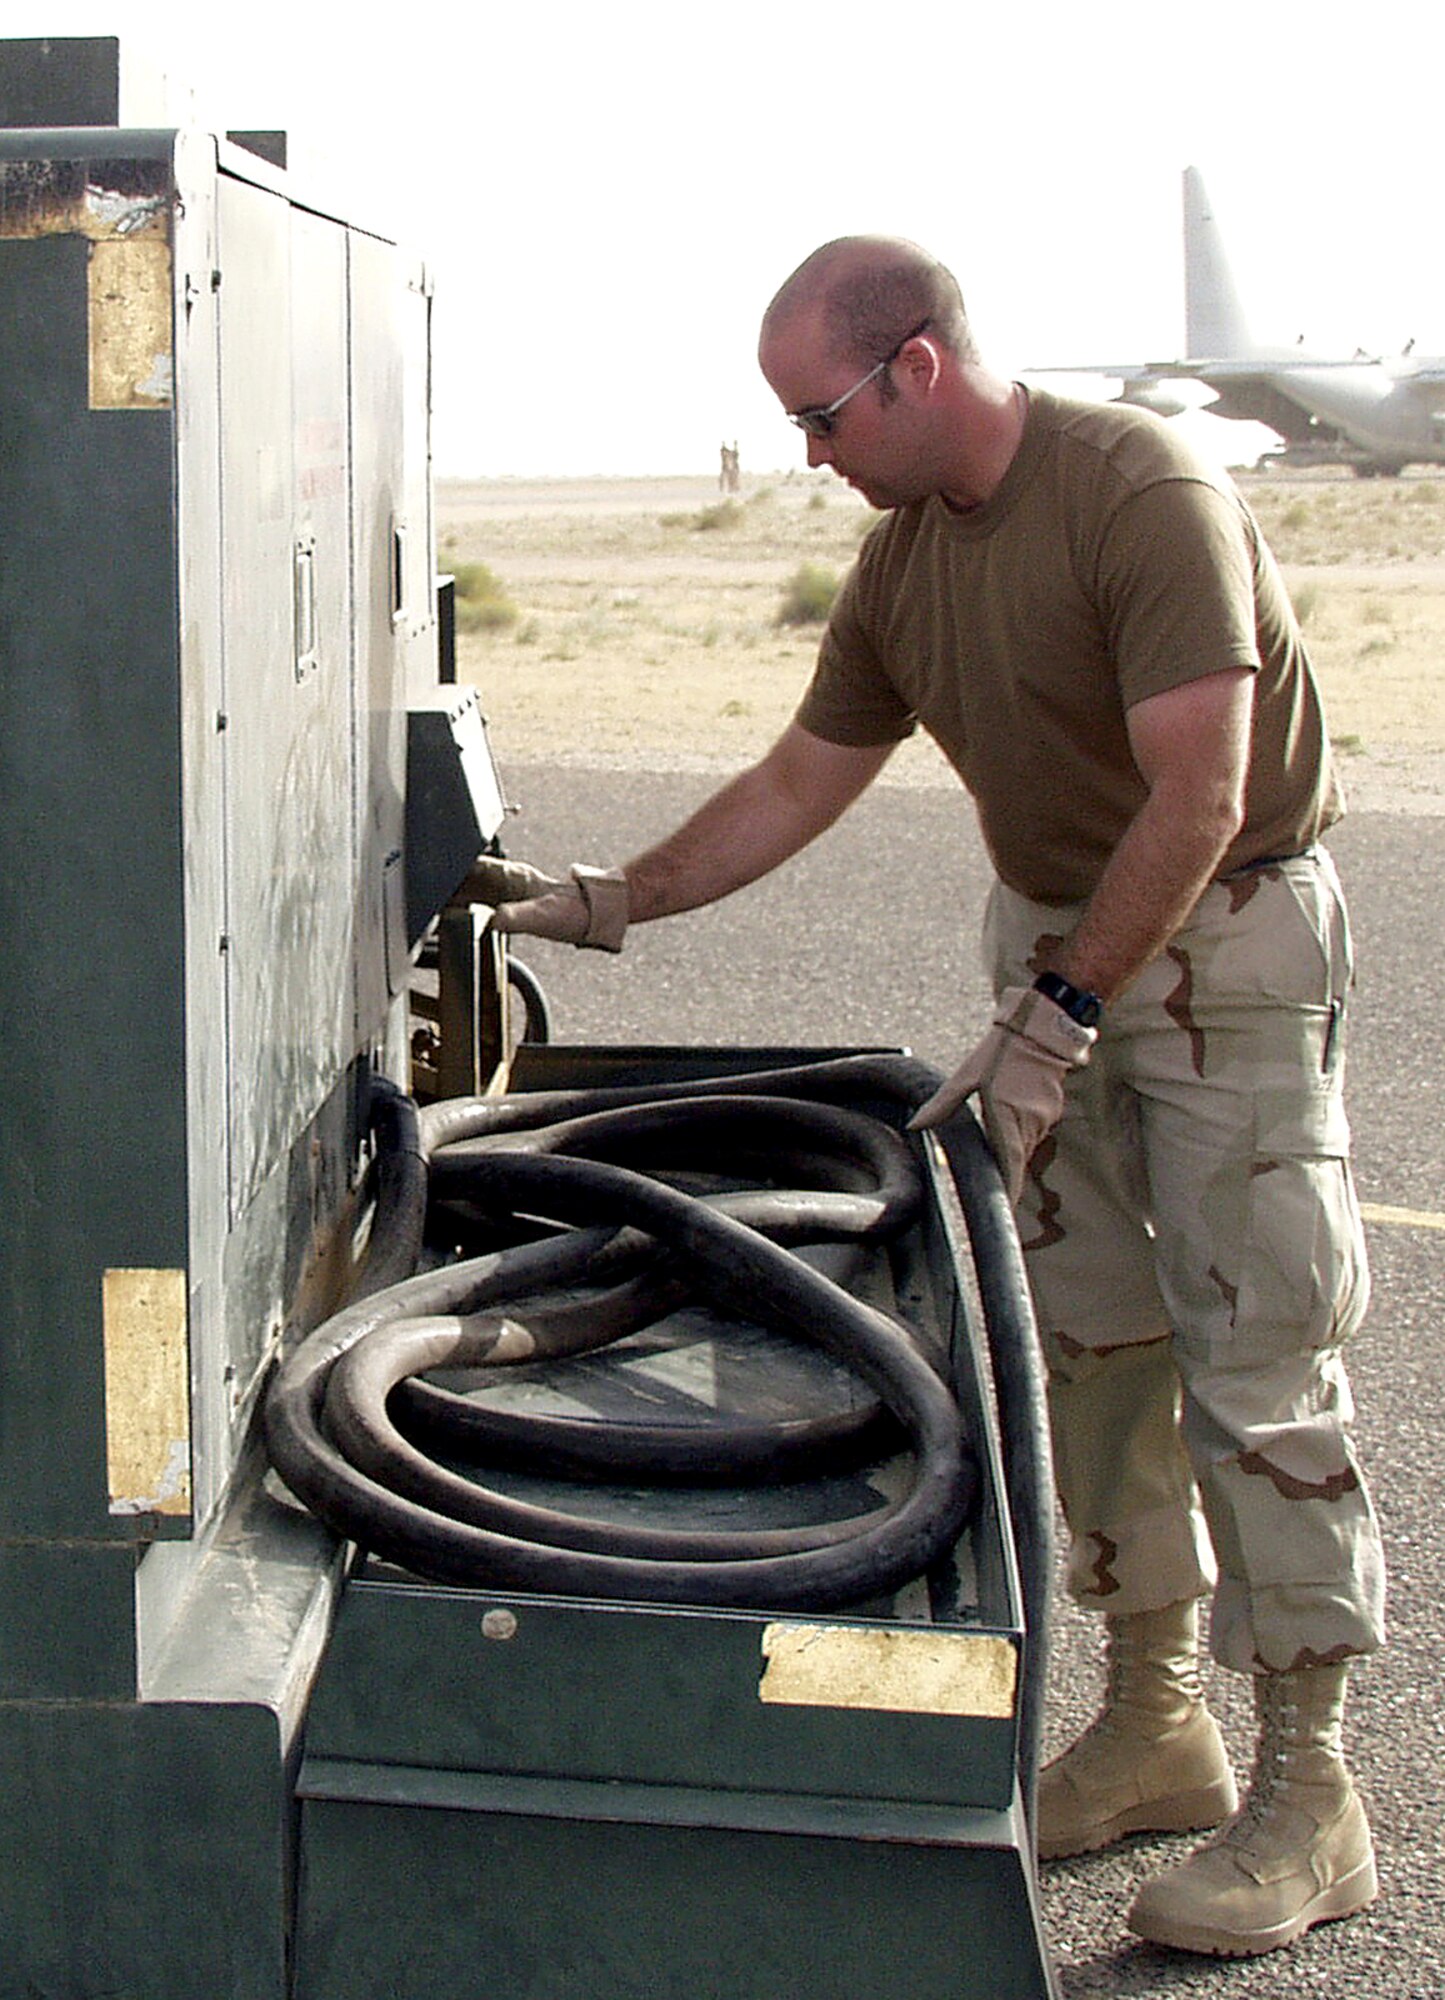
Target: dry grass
{"x":1333,"y":519}
{"x":1365,"y":562}
{"x":648,"y":631}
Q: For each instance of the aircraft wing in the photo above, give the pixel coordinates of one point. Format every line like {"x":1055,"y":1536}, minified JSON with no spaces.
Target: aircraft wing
{"x":1247,"y":389}
{"x":1123,"y":371}
{"x":1291,"y":399}
{"x":1215,"y":368}
{"x":1423,"y":380}
{"x":1251,"y":394}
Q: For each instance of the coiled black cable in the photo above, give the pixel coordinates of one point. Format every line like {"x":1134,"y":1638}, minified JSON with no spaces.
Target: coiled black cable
{"x":385,"y":1496}
{"x":335,"y":1443}
{"x":536,"y":1013}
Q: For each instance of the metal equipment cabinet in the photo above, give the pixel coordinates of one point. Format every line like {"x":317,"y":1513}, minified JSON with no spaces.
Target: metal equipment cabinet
{"x":230,"y":1770}
{"x":216,"y":585}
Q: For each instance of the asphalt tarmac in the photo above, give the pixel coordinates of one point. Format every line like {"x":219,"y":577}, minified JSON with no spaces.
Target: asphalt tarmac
{"x":868,"y":939}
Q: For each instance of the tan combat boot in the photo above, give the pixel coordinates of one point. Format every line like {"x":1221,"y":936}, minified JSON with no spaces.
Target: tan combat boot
{"x":1298,"y":1851}
{"x":1153,"y":1759}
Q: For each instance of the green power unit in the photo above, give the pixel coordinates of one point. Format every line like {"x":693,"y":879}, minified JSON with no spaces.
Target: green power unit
{"x":239,"y":1758}
{"x":559,"y":1797}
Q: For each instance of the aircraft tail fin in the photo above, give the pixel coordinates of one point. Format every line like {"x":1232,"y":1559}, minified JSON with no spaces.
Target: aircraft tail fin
{"x":1214,"y":321}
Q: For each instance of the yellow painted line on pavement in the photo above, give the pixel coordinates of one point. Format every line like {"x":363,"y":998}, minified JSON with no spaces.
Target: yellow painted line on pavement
{"x":1406,"y":1218}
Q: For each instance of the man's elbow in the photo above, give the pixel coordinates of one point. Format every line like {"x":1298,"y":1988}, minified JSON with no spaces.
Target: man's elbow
{"x":812,"y":781}
{"x":1221,"y":816}
{"x":1208,"y":816}
{"x":1232,"y":811}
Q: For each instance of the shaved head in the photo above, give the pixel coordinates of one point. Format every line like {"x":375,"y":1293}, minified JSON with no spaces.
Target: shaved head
{"x":868,"y":292}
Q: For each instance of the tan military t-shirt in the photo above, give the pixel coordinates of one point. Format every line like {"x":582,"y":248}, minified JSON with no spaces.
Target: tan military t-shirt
{"x":1109,"y":565}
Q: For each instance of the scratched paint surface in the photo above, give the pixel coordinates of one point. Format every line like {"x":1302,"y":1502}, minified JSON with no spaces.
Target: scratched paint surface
{"x":123,"y":209}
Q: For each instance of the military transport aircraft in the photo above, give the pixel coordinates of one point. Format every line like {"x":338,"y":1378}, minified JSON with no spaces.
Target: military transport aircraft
{"x":1374,"y":414}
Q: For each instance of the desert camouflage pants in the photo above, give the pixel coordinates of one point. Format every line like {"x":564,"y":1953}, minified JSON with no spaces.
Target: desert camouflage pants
{"x":1196,"y":1257}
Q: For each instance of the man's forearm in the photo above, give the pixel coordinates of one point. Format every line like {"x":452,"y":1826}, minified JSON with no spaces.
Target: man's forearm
{"x":762,"y":818}
{"x":748,"y":827}
{"x":710,"y":855}
{"x":1154,"y":878}
{"x":1191,"y":745}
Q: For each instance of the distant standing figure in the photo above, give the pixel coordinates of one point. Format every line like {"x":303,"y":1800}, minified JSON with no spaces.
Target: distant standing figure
{"x":730,"y":476}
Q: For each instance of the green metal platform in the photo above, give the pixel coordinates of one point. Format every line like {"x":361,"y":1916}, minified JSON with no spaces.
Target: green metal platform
{"x":564,"y":1798}
{"x":237,"y":1763}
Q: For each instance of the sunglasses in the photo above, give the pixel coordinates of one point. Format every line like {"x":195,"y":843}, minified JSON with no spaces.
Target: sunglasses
{"x":822,"y":422}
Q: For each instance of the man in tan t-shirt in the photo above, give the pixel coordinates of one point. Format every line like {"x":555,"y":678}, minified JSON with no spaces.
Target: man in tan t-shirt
{"x":1088,"y":622}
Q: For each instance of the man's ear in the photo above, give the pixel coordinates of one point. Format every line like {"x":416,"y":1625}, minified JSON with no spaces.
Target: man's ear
{"x":919,"y":364}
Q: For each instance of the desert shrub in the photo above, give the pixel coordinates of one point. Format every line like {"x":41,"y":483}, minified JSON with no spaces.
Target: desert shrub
{"x":808,"y":595}
{"x":482,"y":601}
{"x":706,"y":520}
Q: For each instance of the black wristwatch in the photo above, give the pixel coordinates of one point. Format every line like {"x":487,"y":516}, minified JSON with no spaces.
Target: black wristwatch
{"x":1085,"y":1008}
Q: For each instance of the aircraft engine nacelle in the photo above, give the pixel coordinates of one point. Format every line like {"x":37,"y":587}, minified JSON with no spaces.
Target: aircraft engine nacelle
{"x":1160,"y":397}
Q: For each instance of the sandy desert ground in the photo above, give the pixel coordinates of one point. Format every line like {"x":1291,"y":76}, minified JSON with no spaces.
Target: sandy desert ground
{"x":640,"y":625}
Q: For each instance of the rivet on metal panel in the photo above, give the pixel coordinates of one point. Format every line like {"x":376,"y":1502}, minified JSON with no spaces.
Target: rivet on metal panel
{"x":918,"y":1670}
{"x":499,"y":1624}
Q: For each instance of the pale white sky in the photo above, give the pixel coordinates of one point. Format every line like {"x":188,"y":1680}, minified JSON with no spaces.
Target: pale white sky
{"x":608,"y":195}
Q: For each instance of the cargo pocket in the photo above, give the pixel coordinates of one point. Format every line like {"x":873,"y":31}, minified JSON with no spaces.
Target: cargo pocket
{"x":1304,"y":1276}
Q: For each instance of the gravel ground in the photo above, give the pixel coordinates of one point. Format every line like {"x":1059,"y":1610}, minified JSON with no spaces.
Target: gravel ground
{"x":868,"y":938}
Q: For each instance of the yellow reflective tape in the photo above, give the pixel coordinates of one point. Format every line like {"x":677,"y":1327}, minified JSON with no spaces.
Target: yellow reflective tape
{"x":131,"y":365}
{"x":917,"y":1670}
{"x":147,"y":1392}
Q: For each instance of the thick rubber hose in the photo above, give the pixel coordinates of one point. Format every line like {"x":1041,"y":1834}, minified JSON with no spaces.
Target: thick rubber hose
{"x":864,"y":1185}
{"x":723,"y":1451}
{"x":359,"y":1386}
{"x":398,"y":1216}
{"x":892,"y":1084}
{"x":537,"y":1015}
{"x":727,"y":1451}
{"x":882,"y":1551}
{"x":1023,"y":1416}
{"x":1014,"y":1353}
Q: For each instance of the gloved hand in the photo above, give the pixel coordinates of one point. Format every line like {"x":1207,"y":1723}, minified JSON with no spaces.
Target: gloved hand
{"x":588,"y":909}
{"x":1018,"y":1070}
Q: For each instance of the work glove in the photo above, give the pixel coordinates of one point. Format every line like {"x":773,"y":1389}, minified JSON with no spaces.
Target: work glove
{"x":1018,"y":1070}
{"x":590,"y":908}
